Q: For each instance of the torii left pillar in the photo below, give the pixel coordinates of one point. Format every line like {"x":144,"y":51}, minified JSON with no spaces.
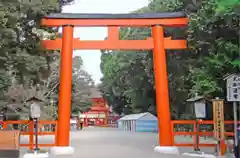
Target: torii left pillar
{"x":63,"y":143}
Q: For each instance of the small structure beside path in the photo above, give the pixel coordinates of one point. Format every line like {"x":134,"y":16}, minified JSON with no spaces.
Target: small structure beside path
{"x":142,"y":122}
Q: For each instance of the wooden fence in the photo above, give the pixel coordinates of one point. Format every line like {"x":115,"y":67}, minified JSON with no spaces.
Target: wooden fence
{"x":190,"y":129}
{"x":26,"y":127}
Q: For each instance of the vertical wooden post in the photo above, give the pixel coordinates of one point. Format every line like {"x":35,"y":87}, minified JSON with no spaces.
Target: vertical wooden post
{"x":195,"y":141}
{"x":218,"y":119}
{"x":56,"y":127}
{"x":106,"y":119}
{"x":223,"y":147}
{"x":5,"y":124}
{"x":31,"y":134}
{"x":173,"y":130}
{"x":161,"y":82}
{"x":64,"y":107}
{"x":98,"y":123}
{"x":86,"y":123}
{"x":113,"y":33}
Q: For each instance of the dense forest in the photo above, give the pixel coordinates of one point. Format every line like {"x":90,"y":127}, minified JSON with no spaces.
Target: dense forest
{"x":213,"y":38}
{"x":26,"y":69}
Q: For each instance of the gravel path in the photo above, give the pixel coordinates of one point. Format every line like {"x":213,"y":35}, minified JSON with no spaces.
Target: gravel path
{"x":111,"y":143}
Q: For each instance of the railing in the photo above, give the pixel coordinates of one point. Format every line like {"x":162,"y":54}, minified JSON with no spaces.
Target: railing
{"x":27,"y":128}
{"x":193,"y":132}
{"x":46,"y":127}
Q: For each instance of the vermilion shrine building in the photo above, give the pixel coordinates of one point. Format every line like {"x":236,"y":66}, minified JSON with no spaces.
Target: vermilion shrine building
{"x":99,"y":112}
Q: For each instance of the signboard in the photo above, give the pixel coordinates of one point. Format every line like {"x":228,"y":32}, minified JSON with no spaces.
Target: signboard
{"x":200,"y":109}
{"x":233,"y":88}
{"x":218,"y":119}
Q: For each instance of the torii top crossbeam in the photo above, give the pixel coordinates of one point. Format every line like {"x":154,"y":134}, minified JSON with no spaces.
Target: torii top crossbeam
{"x":113,"y":21}
{"x":145,"y":19}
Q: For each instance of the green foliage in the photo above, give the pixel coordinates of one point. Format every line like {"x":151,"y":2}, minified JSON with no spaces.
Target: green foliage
{"x":224,"y":5}
{"x":82,"y":84}
{"x":22,"y":61}
{"x":24,"y":65}
{"x":214,"y":39}
{"x":128,"y":81}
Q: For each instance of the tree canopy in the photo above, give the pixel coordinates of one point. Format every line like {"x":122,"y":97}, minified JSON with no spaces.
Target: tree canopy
{"x":128,"y":78}
{"x":25,"y":67}
{"x":224,"y":5}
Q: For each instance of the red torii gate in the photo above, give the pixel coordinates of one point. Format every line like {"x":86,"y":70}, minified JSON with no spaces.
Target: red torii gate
{"x":158,"y":43}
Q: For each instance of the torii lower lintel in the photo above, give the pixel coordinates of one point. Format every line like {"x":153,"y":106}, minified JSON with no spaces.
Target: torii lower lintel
{"x":147,"y":44}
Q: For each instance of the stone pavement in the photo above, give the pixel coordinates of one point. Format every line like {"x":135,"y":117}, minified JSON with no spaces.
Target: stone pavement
{"x":111,"y":143}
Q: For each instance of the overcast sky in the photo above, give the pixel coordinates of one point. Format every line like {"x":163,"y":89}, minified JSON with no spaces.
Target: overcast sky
{"x":91,"y":58}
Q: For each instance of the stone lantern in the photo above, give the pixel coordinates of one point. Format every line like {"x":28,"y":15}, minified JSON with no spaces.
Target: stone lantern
{"x":199,"y":103}
{"x":200,"y":113}
{"x":35,"y":114}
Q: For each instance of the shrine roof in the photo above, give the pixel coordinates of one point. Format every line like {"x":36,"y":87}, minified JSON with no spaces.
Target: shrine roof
{"x":165,"y":15}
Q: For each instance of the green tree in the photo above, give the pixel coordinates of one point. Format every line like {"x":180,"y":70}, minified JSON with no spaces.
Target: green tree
{"x":214,"y":40}
{"x":128,"y":80}
{"x":22,"y":60}
{"x":224,"y":5}
{"x":82,"y":84}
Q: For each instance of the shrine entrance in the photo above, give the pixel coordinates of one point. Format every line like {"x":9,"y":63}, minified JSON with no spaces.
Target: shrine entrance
{"x":97,"y":115}
{"x":158,"y":43}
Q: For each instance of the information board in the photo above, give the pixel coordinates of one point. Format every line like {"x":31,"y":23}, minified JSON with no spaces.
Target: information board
{"x":200,"y":109}
{"x":233,"y":88}
{"x":218,"y":119}
{"x":35,"y":110}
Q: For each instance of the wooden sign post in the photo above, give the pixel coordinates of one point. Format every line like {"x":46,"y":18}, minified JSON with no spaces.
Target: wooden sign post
{"x":233,"y":95}
{"x":218,"y":120}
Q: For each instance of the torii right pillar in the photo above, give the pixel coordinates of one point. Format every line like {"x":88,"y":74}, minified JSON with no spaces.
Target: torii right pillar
{"x":166,"y":135}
